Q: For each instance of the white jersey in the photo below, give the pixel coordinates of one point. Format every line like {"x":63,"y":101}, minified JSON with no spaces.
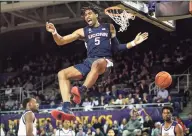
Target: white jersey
{"x":63,"y":132}
{"x":22,"y":126}
{"x":168,"y":131}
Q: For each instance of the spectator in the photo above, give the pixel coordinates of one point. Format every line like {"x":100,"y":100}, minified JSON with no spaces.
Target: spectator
{"x":147,"y":125}
{"x":42,"y":131}
{"x":81,"y":133}
{"x":162,"y":96}
{"x":111,"y":133}
{"x":157,"y":130}
{"x":99,"y":132}
{"x":86,"y":103}
{"x":133,"y":126}
{"x":106,"y":127}
{"x":64,"y":130}
{"x":144,"y":88}
{"x":119,"y":100}
{"x":97,"y":125}
{"x":50,"y":131}
{"x":123,"y":123}
{"x":115,"y":127}
{"x":95,"y":101}
{"x":145,"y":98}
{"x":9,"y":104}
{"x":2,"y":132}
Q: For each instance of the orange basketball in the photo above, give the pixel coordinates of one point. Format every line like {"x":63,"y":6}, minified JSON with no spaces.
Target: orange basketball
{"x":163,"y":79}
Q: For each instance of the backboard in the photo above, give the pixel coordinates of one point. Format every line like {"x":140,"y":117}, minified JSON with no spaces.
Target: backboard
{"x":142,"y":10}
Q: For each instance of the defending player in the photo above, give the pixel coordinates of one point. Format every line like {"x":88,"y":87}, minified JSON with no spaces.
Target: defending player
{"x":27,"y":122}
{"x":170,"y":127}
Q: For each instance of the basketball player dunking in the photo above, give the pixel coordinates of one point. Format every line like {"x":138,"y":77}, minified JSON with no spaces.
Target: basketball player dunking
{"x":27,"y":122}
{"x":170,"y":127}
{"x":99,"y":39}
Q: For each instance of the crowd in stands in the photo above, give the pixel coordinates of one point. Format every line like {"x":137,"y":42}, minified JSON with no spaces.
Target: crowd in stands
{"x":136,"y":125}
{"x":133,"y":70}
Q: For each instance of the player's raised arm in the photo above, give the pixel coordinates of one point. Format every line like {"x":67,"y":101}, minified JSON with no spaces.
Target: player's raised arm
{"x":62,"y":40}
{"x":117,"y":46}
{"x":29,"y":118}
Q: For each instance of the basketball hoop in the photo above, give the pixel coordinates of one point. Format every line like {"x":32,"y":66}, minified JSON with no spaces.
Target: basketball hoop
{"x":120,"y":16}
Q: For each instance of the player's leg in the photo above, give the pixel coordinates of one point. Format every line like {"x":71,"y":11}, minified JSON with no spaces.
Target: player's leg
{"x":64,"y":77}
{"x":98,"y":67}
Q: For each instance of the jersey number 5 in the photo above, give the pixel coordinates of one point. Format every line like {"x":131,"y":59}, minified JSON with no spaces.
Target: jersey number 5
{"x":97,"y":40}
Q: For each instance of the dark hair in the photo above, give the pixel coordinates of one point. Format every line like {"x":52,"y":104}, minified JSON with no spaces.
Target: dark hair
{"x":168,"y":108}
{"x":88,"y":8}
{"x":25,"y":101}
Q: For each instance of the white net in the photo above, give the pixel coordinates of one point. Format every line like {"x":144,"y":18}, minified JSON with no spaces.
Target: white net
{"x":121,"y":19}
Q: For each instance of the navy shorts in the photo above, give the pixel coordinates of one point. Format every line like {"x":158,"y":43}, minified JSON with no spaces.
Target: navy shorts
{"x":85,"y":67}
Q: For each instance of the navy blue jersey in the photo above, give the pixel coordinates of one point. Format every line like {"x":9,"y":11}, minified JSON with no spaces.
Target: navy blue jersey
{"x":98,"y":41}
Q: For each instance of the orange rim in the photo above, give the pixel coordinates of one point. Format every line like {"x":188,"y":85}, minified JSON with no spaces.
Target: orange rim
{"x":112,"y":8}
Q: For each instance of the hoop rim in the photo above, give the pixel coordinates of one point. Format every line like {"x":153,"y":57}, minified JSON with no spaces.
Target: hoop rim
{"x":112,"y":8}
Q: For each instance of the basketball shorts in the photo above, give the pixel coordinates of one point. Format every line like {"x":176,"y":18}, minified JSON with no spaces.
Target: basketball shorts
{"x":85,"y":67}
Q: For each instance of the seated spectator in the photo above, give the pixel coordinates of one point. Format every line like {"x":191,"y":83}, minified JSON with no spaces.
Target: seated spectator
{"x":95,"y":101}
{"x":81,"y":133}
{"x":9,"y":104}
{"x":122,"y":125}
{"x":90,"y":133}
{"x":137,"y":99}
{"x":162,"y":96}
{"x":101,"y":102}
{"x":115,"y":127}
{"x":90,"y":129}
{"x":131,"y":101}
{"x":144,"y":88}
{"x":157,"y":130}
{"x":119,"y":101}
{"x":147,"y":125}
{"x":97,"y":125}
{"x":99,"y":132}
{"x":145,"y":98}
{"x":87,"y":105}
{"x":133,"y":126}
{"x":50,"y":131}
{"x":111,"y":133}
{"x":106,"y":127}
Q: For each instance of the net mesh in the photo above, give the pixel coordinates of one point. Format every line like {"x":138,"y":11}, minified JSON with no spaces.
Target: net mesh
{"x":121,"y":19}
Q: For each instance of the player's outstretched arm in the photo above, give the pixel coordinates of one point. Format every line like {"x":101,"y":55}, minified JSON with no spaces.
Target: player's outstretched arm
{"x":62,"y":40}
{"x":179,"y":130}
{"x":141,"y":37}
{"x":29,"y":118}
{"x":117,"y":46}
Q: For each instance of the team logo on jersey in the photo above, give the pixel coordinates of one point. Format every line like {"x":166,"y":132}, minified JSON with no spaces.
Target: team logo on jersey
{"x":103,"y":28}
{"x":98,"y":35}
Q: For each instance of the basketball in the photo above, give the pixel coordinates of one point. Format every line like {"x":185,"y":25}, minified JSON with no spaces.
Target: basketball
{"x":163,"y":79}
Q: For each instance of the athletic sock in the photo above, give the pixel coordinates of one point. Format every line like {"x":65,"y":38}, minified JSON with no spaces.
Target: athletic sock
{"x":66,"y":105}
{"x":82,"y":89}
